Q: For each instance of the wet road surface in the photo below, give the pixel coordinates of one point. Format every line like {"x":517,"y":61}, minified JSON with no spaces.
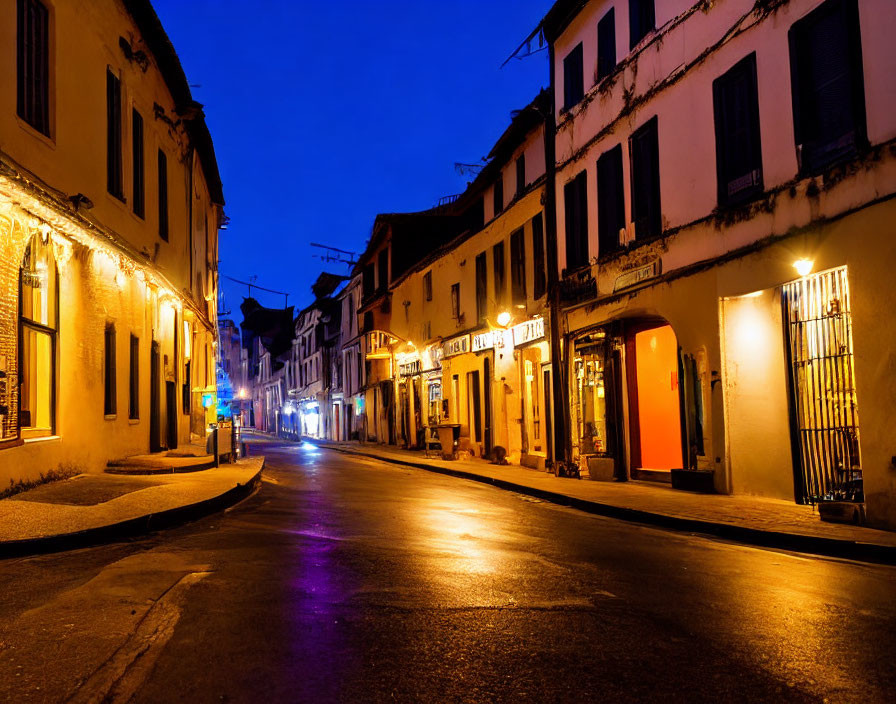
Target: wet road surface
{"x":348,"y":579}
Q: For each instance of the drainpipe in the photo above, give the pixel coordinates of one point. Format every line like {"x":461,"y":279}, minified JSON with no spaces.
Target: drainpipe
{"x":558,"y":387}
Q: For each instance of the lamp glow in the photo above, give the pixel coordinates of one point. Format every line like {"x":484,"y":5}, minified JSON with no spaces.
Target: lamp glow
{"x":803,"y":266}
{"x":504,"y":319}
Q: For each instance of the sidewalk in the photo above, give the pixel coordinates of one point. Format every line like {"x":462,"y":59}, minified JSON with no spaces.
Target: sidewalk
{"x":95,"y":508}
{"x":746,"y":519}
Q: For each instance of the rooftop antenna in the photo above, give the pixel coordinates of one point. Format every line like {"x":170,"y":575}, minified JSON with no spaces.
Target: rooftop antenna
{"x":334,"y":254}
{"x":251,"y":284}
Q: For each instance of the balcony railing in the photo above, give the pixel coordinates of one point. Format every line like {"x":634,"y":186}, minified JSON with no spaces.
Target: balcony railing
{"x":578,"y":288}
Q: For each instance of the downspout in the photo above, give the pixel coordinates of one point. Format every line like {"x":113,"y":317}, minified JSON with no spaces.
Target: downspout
{"x":558,"y":387}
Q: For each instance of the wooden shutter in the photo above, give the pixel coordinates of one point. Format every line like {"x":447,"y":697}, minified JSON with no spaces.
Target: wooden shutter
{"x":573,"y":78}
{"x":163,"y":195}
{"x":113,"y":135}
{"x":646,"y":213}
{"x":518,"y":267}
{"x":481,"y":287}
{"x":499,"y":272}
{"x":498,"y":195}
{"x":606,"y":44}
{"x":139,"y":198}
{"x":641,"y":20}
{"x":539,"y":284}
{"x":610,"y":201}
{"x":520,"y":174}
{"x":575,"y":197}
{"x":32,"y":65}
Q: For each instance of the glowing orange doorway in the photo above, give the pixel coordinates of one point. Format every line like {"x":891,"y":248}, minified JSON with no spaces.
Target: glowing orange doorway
{"x":658,"y":403}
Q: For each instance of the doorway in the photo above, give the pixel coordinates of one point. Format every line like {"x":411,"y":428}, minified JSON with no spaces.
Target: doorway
{"x":155,"y":407}
{"x":654,"y":402}
{"x":171,"y":413}
{"x":475,"y":406}
{"x":487,"y":397}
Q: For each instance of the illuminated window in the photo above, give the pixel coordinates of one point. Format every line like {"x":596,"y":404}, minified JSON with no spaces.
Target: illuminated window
{"x":38,"y":317}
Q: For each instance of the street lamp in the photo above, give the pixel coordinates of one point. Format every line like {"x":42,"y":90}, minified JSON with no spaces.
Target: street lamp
{"x":803,"y":266}
{"x":504,"y":319}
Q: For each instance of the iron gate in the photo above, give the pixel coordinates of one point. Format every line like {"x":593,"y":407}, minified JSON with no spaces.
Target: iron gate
{"x":824,"y":412}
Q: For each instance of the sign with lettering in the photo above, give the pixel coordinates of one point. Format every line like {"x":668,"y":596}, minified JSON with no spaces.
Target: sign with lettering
{"x":410,"y":368}
{"x":529,"y":331}
{"x":456,"y":345}
{"x":636,"y":276}
{"x":485,"y":340}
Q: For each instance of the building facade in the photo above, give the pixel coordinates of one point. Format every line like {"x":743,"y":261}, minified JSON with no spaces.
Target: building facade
{"x":110,"y":205}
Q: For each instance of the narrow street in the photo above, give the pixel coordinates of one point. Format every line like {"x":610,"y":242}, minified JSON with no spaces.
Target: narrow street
{"x":346,"y":579}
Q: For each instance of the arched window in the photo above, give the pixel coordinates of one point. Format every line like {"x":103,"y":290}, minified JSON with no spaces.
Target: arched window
{"x":38,"y":323}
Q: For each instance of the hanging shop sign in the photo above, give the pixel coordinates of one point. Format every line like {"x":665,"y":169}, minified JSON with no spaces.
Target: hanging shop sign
{"x":529,"y":331}
{"x":410,"y":368}
{"x":636,"y":276}
{"x":434,"y":354}
{"x":486,"y":340}
{"x":456,"y":345}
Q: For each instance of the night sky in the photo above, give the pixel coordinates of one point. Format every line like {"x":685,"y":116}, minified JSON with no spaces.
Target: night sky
{"x":324,"y":114}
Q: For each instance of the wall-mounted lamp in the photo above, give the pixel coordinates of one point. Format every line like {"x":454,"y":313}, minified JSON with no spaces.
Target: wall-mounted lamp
{"x":504,"y":319}
{"x":803,"y":266}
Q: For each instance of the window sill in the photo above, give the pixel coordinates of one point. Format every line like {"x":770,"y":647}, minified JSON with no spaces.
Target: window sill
{"x":42,"y":438}
{"x":133,"y":421}
{"x":34,"y":132}
{"x":110,"y":416}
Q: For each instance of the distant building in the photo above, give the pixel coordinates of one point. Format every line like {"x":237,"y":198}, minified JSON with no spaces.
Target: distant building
{"x":266,"y":335}
{"x":110,"y":205}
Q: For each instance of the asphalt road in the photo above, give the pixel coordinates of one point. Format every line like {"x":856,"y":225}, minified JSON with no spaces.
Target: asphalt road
{"x":346,"y":579}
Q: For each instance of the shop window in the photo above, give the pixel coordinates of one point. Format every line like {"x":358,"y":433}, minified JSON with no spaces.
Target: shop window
{"x":109,"y":390}
{"x":606,"y":45}
{"x":641,"y":20}
{"x":163,"y":195}
{"x":576,"y":207}
{"x":499,"y":270}
{"x":610,"y":200}
{"x":38,"y":318}
{"x":518,"y":267}
{"x":113,"y":135}
{"x":590,"y":412}
{"x":738,"y":152}
{"x":540,"y":284}
{"x":828,"y":85}
{"x":138,"y":202}
{"x":573,"y":78}
{"x":134,"y":379}
{"x":33,"y":64}
{"x":644,"y":150}
{"x":481,"y":287}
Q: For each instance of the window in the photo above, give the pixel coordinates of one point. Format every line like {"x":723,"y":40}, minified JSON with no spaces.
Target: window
{"x":500,"y":276}
{"x":38,"y":318}
{"x":738,"y":154}
{"x":134,"y":385}
{"x":644,"y":150}
{"x":610,"y":200}
{"x":427,"y":285}
{"x":109,"y":404}
{"x":575,"y":195}
{"x":518,"y":267}
{"x":573,"y":78}
{"x":481,"y":287}
{"x":382,"y":267}
{"x":33,"y":65}
{"x":641,"y":20}
{"x":113,"y":135}
{"x":520,"y":174}
{"x":606,"y":45}
{"x":828,"y":86}
{"x":138,"y":201}
{"x":498,"y":195}
{"x":368,"y":280}
{"x":163,"y":195}
{"x":540,"y":285}
{"x":427,"y":330}
{"x":455,"y":301}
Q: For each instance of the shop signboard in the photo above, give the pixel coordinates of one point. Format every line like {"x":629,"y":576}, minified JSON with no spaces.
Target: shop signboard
{"x":456,"y":345}
{"x":527,"y":332}
{"x":636,"y":276}
{"x":485,"y":340}
{"x":410,"y":368}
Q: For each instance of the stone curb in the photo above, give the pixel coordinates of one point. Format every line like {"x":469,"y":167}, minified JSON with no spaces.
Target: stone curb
{"x":132,"y":527}
{"x":814,"y":545}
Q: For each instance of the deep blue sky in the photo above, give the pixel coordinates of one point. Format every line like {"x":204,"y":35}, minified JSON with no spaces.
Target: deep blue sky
{"x":324,"y":114}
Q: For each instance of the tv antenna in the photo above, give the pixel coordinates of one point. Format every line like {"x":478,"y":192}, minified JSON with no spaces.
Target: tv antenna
{"x":334,"y":254}
{"x":251,"y":284}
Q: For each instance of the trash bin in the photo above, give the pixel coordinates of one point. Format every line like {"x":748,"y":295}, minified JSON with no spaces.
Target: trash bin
{"x":449,"y":436}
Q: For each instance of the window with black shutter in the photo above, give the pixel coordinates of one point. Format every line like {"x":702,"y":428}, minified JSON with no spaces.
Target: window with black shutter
{"x":427,"y":285}
{"x":382,"y":270}
{"x":481,"y":287}
{"x":610,"y":200}
{"x":113,"y":135}
{"x":644,"y":150}
{"x":575,"y":196}
{"x":498,"y":196}
{"x":573,"y":78}
{"x":606,"y":45}
{"x":455,"y":301}
{"x":368,"y":280}
{"x":33,"y":64}
{"x":109,"y":397}
{"x":828,"y":85}
{"x":518,"y":267}
{"x":539,"y":285}
{"x":499,"y":272}
{"x":134,"y":385}
{"x":163,"y":195}
{"x":520,"y":174}
{"x":738,"y":152}
{"x":641,"y":20}
{"x":139,"y":198}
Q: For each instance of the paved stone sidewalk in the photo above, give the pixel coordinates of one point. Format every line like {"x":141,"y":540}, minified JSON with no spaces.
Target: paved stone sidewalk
{"x":92,"y":506}
{"x":751,"y":519}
